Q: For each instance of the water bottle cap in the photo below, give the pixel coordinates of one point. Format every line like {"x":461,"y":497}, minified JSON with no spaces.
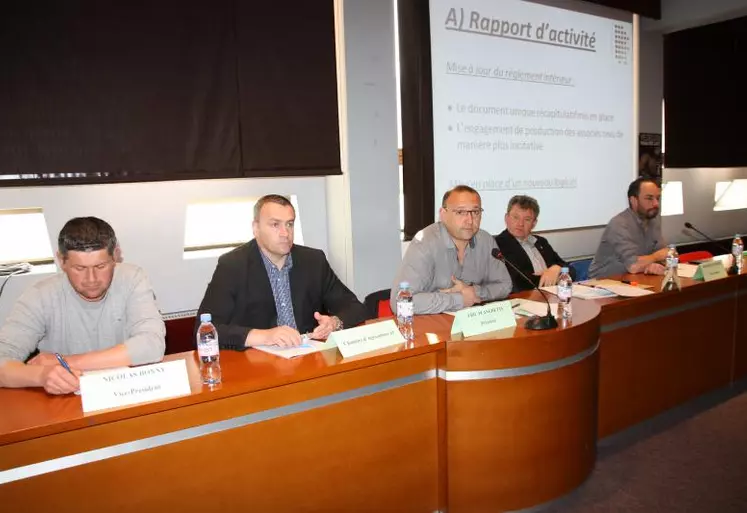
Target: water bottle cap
{"x":206,"y":317}
{"x":671,"y":246}
{"x":563,"y":269}
{"x":404,"y":285}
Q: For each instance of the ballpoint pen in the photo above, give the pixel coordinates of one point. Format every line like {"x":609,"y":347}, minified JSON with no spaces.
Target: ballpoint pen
{"x":63,"y":362}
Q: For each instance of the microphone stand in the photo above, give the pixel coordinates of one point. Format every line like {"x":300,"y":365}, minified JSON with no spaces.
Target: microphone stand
{"x":535,"y":322}
{"x":732,"y":270}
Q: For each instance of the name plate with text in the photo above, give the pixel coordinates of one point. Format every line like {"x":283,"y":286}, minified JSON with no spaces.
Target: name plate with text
{"x":354,"y":341}
{"x":483,"y":319}
{"x":126,"y":386}
{"x":708,"y":271}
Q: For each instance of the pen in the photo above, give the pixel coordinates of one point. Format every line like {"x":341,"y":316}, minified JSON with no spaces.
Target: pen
{"x":306,"y":339}
{"x":63,"y":362}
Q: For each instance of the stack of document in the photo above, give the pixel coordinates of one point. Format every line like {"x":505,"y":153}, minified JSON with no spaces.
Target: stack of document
{"x":309,"y":346}
{"x":527,"y":307}
{"x":583,"y":292}
{"x":620,"y":288}
{"x":602,"y":289}
{"x":625,"y":290}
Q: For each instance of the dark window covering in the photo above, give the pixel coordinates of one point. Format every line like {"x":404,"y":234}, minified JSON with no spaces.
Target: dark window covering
{"x":417,"y":115}
{"x":94,"y":91}
{"x":289,"y":88}
{"x":648,"y":8}
{"x":705,"y":107}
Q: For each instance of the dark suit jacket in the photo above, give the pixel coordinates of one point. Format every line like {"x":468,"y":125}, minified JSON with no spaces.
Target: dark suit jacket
{"x":239,"y":297}
{"x":514,"y":253}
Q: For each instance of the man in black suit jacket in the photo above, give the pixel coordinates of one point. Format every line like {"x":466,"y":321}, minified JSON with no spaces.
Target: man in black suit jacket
{"x":269,"y":291}
{"x":531,"y":253}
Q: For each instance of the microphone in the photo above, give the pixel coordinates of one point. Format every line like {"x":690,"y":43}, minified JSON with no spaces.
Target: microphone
{"x":689,"y":226}
{"x":547,"y":322}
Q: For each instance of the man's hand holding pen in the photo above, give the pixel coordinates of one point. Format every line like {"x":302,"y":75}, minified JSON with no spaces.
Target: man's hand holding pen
{"x":56,"y":376}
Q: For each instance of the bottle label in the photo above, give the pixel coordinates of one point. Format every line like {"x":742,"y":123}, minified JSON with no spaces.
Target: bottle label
{"x":672,"y":261}
{"x":208,"y":347}
{"x":404,"y":309}
{"x":737,"y":249}
{"x":565,"y":292}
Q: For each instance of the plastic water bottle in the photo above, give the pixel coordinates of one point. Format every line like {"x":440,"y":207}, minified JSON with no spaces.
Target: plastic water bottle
{"x":208,"y":351}
{"x":737,"y":251}
{"x":671,"y":279}
{"x":404,"y":311}
{"x":565,"y":294}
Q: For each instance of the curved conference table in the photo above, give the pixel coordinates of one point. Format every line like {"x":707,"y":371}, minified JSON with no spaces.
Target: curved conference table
{"x":498,"y":422}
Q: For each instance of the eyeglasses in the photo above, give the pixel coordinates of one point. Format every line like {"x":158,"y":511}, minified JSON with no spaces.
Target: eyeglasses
{"x":460,"y":212}
{"x":519,"y":219}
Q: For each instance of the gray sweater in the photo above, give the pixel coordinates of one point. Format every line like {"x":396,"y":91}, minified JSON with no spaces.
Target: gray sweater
{"x":52,"y":317}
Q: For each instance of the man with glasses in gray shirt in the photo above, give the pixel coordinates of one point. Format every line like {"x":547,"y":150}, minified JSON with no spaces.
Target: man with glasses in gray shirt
{"x":448,"y":264}
{"x":632,"y":242}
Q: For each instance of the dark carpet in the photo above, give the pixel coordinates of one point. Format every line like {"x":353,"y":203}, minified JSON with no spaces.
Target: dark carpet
{"x":690,"y":459}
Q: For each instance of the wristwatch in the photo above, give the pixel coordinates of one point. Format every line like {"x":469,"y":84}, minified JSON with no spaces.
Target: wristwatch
{"x":338,"y":323}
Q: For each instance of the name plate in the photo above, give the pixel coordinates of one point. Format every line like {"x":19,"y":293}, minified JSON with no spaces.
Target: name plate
{"x":354,"y":341}
{"x":708,"y":271}
{"x":483,"y":319}
{"x":126,"y":386}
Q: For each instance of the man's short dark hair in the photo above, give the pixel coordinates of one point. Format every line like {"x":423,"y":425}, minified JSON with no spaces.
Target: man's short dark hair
{"x":524,"y":203}
{"x":271,"y":198}
{"x":634,"y":189}
{"x":458,"y":188}
{"x":86,"y":234}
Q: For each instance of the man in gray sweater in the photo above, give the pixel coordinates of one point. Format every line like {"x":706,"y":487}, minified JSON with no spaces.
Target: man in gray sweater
{"x":449,"y":264}
{"x":97,"y":314}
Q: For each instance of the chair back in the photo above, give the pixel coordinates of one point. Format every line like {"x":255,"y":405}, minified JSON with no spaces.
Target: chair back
{"x":377,"y":304}
{"x":695,"y":255}
{"x":582,"y":268}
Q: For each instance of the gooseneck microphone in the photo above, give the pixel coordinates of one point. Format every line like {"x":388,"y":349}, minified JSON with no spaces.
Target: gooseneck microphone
{"x":730,"y":270}
{"x":537,"y":323}
{"x":690,"y":226}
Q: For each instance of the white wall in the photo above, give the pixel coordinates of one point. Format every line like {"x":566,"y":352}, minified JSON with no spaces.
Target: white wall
{"x":373,"y":170}
{"x":698,"y":186}
{"x":149,"y":221}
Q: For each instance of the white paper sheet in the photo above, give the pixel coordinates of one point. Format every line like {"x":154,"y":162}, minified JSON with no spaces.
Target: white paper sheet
{"x":527,"y":307}
{"x":628,"y":290}
{"x":686,"y":270}
{"x":311,"y":346}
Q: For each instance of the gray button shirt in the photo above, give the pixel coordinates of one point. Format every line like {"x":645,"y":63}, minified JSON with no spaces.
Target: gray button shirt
{"x":431,"y":260}
{"x":625,"y":239}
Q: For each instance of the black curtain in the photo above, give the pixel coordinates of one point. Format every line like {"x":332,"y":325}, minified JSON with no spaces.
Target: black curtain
{"x":705,"y":71}
{"x":648,"y":8}
{"x":288,"y":85}
{"x":417,"y":115}
{"x":97,"y":91}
